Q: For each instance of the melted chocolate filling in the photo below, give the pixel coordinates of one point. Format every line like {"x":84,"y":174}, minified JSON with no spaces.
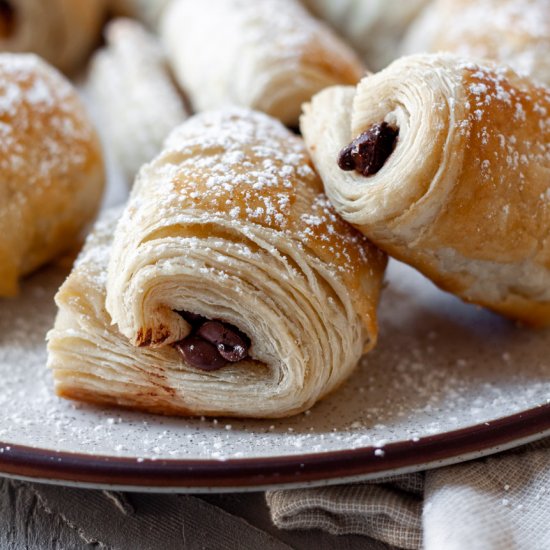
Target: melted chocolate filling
{"x":212,"y":343}
{"x":367,"y":153}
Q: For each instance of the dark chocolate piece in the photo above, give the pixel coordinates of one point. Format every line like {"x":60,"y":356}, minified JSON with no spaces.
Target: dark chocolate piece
{"x":194,"y":319}
{"x":231,"y":343}
{"x":367,"y":153}
{"x":211,"y":344}
{"x":200,"y":354}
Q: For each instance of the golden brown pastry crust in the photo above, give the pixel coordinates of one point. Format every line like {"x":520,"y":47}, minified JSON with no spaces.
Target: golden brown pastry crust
{"x":51,"y":178}
{"x":465,"y":196}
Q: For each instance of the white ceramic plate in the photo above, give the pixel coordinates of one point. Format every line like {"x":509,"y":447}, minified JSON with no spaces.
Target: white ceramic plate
{"x":447,"y":382}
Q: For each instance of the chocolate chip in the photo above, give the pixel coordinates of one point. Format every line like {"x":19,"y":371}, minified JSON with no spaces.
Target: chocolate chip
{"x":194,"y":319}
{"x":231,"y":343}
{"x":367,"y":153}
{"x":200,"y":354}
{"x":211,"y":344}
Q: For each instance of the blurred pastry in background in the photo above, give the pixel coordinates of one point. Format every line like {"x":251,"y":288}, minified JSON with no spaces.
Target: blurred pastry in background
{"x":270,"y":55}
{"x":512,"y":32}
{"x":373,"y":27}
{"x":147,"y":11}
{"x":51,"y":177}
{"x":63,"y":32}
{"x":134,"y":95}
{"x":444,"y":163}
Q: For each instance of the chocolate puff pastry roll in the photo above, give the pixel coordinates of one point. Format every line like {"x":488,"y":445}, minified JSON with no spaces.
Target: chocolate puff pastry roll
{"x":61,"y":31}
{"x":511,"y":32}
{"x":51,"y":177}
{"x":374,"y":27}
{"x":445,"y":164}
{"x":269,"y":55}
{"x":230,"y":286}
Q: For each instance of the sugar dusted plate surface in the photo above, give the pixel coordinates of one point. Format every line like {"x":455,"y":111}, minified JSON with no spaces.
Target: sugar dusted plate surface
{"x":447,"y":382}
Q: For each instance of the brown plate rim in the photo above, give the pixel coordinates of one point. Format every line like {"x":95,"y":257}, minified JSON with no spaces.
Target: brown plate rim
{"x":248,"y":473}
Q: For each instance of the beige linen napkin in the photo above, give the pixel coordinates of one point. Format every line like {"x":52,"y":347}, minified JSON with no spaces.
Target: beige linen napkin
{"x":496,"y":503}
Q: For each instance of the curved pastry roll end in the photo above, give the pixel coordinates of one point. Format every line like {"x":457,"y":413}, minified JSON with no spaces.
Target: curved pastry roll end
{"x":337,"y":115}
{"x":52,"y":168}
{"x":463,"y":196}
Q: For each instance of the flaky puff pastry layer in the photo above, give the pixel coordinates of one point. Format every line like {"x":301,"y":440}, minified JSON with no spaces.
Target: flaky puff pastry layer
{"x":465,"y":195}
{"x":229,"y":222}
{"x":511,"y":32}
{"x":269,"y":55}
{"x":51,"y":176}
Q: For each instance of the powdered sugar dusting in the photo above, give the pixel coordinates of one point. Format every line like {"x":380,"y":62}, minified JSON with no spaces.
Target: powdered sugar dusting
{"x":37,"y":105}
{"x":440,"y":365}
{"x":94,"y":257}
{"x":259,"y":173}
{"x":505,"y":119}
{"x":513,"y":32}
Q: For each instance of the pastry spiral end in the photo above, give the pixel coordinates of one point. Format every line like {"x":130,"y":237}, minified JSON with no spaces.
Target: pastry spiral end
{"x":463,"y":193}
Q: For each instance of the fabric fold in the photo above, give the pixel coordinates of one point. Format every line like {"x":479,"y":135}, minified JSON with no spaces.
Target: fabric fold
{"x":380,"y":511}
{"x":497,"y":503}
